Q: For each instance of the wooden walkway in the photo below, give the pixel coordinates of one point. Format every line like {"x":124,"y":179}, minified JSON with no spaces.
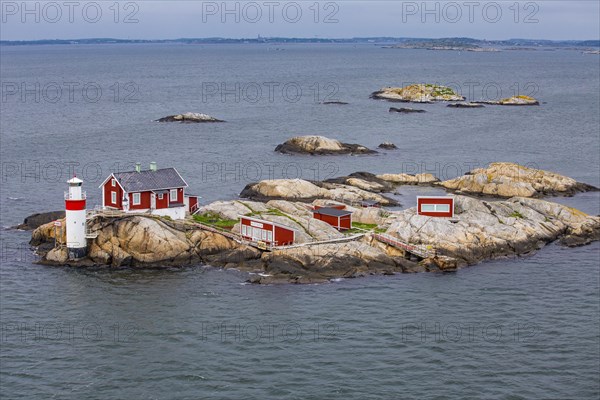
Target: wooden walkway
{"x":420,"y":251}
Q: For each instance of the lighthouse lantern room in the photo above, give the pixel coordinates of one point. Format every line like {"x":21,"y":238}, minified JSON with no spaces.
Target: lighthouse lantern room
{"x":75,"y":219}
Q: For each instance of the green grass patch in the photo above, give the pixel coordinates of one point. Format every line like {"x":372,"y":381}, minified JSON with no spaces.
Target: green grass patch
{"x":516,"y":214}
{"x":360,"y":225}
{"x":214,"y":219}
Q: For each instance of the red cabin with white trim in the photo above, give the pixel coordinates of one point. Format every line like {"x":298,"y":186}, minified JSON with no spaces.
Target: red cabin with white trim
{"x":272,"y":233}
{"x":435,"y":206}
{"x":159,"y":191}
{"x":340,"y":219}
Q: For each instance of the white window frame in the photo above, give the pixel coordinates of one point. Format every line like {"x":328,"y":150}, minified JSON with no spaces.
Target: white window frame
{"x":113,"y":182}
{"x":160,"y":196}
{"x":269,"y":236}
{"x":113,"y":197}
{"x":243,"y":230}
{"x":171,"y":195}
{"x":139,"y":199}
{"x":437,"y":208}
{"x":442,"y":208}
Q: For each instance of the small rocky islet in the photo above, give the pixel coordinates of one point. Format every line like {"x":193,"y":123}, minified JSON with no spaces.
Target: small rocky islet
{"x":428,"y":93}
{"x":404,"y":110}
{"x":387,"y":146}
{"x":320,"y":145}
{"x":520,"y":100}
{"x":417,"y":93}
{"x":189,"y":117}
{"x":504,"y":222}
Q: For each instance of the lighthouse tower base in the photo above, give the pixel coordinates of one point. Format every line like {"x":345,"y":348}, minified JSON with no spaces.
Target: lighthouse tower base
{"x":77,"y":252}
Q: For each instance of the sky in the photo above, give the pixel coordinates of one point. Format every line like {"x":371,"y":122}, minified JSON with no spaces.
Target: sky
{"x":160,"y":19}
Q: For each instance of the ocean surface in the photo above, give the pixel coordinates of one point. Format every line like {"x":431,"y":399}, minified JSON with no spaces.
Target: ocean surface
{"x":524,"y":328}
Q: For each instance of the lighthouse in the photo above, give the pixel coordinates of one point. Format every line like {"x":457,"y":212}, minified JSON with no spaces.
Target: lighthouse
{"x":75,"y":219}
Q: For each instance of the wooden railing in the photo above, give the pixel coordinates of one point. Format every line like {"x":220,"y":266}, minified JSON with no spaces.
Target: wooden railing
{"x":419,"y":250}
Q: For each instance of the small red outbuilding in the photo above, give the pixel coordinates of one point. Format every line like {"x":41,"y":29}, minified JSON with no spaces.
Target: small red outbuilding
{"x":259,"y":230}
{"x":435,"y":206}
{"x":338,"y":218}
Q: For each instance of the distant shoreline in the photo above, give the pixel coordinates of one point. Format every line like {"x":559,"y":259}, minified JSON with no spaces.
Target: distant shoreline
{"x":418,"y":43}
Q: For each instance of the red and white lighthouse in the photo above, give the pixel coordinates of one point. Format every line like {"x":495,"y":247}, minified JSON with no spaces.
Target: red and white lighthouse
{"x":75,"y":219}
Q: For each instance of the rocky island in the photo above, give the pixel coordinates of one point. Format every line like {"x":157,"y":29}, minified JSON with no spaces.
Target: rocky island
{"x":387,"y":146}
{"x":320,"y":145}
{"x":418,"y":93}
{"x":403,"y":110}
{"x":353,"y":191}
{"x":520,"y":100}
{"x":189,"y":117}
{"x":381,"y":241}
{"x":465,"y":105}
{"x":481,"y":230}
{"x":503,"y":179}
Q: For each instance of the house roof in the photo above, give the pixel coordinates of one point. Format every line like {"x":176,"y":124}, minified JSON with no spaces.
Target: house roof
{"x":164,"y":178}
{"x":334,"y":212}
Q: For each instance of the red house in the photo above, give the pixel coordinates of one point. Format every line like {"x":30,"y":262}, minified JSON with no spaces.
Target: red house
{"x":338,"y":218}
{"x":259,"y":230}
{"x":435,"y":206}
{"x":158,"y":191}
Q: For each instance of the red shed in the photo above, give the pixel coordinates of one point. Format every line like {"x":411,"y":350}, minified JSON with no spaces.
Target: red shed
{"x":338,"y":206}
{"x":266,"y":231}
{"x":435,"y":206}
{"x":339,"y":219}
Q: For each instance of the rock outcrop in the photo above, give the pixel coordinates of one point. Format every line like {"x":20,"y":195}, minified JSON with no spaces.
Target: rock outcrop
{"x":465,"y":105}
{"x":419,"y":93}
{"x":481,"y":230}
{"x":319,"y":145}
{"x":520,"y":100}
{"x":484,"y":230}
{"x":48,"y":232}
{"x":408,"y":179}
{"x":328,"y":261}
{"x":302,"y":190}
{"x":189,"y":117}
{"x":508,"y":179}
{"x":403,"y":110}
{"x":365,"y":181}
{"x":388,"y":146}
{"x":232,"y":209}
{"x":144,"y":241}
{"x":33,"y":221}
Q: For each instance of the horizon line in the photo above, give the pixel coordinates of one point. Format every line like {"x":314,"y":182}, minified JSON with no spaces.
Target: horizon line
{"x":259,"y":37}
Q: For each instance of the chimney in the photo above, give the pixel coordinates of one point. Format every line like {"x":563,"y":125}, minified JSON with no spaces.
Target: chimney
{"x":153,"y":166}
{"x":138,"y":167}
